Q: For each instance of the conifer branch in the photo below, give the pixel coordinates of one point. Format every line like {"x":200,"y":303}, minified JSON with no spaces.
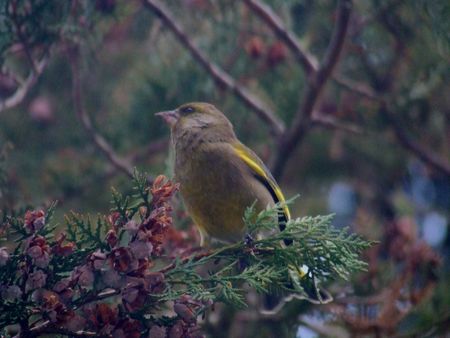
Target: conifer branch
{"x":62,"y":285}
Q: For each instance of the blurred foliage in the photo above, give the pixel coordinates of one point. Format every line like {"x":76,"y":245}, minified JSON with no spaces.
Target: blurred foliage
{"x":34,"y":25}
{"x":132,"y":67}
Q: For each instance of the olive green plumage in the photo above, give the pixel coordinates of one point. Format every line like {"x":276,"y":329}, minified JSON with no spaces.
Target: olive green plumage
{"x":219,"y":176}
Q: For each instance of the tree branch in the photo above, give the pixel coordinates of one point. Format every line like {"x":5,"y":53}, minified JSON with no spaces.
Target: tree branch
{"x":222,"y":78}
{"x":86,"y":122}
{"x":331,"y":122}
{"x":356,"y":87}
{"x":25,"y":86}
{"x":302,"y":119}
{"x":308,"y":61}
{"x":47,"y":328}
{"x":321,"y":328}
{"x":423,"y":153}
{"x":149,"y":150}
{"x":94,"y":297}
{"x":22,"y":39}
{"x":309,"y":64}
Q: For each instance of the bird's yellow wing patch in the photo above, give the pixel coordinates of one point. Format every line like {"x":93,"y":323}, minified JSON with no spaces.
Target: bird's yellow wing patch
{"x":262,"y":174}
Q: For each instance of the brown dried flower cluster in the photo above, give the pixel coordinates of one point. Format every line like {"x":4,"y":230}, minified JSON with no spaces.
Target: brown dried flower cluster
{"x":99,"y":289}
{"x":415,"y":265}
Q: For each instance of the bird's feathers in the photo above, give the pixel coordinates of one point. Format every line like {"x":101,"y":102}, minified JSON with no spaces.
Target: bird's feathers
{"x":263,"y":175}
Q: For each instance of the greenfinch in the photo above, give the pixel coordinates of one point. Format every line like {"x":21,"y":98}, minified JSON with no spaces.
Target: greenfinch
{"x":219,"y":176}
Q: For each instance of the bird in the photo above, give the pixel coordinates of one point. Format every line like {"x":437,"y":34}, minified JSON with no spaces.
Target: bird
{"x":219,"y":176}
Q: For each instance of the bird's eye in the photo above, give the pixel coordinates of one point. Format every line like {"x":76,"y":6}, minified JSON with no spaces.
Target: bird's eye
{"x":187,"y":110}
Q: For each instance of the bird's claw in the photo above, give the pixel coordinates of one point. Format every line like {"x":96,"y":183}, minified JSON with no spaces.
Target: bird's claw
{"x":248,"y":240}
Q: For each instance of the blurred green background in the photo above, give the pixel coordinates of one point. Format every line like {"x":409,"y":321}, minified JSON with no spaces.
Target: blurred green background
{"x":132,"y":66}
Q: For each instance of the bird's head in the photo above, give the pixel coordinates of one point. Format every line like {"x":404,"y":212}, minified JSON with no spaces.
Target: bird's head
{"x":195,"y":117}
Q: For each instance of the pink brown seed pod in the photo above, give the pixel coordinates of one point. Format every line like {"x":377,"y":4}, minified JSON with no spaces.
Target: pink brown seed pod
{"x":185,"y":312}
{"x":34,"y":220}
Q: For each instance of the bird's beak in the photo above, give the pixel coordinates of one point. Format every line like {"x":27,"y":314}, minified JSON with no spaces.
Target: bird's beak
{"x":170,"y":117}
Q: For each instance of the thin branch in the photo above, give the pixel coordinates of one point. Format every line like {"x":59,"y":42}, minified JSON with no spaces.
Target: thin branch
{"x":110,"y":170}
{"x":322,"y":328}
{"x":381,"y":10}
{"x":186,"y":259}
{"x":224,"y":79}
{"x":22,"y":39}
{"x":359,"y":88}
{"x":423,"y":153}
{"x":78,"y":334}
{"x":94,"y":297}
{"x":331,"y":122}
{"x":101,"y":144}
{"x":21,"y":92}
{"x":149,"y":150}
{"x":47,"y":328}
{"x":302,"y":119}
{"x":308,"y":61}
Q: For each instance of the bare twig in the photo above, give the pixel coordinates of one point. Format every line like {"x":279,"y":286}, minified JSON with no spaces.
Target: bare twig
{"x":47,"y":328}
{"x":25,"y":86}
{"x":361,"y":89}
{"x":94,"y":297}
{"x":423,"y":153}
{"x":380,"y":11}
{"x":308,"y":62}
{"x":22,"y":39}
{"x":101,"y":144}
{"x":224,"y":79}
{"x":302,"y":119}
{"x":331,"y":122}
{"x":110,"y":170}
{"x":151,"y":149}
{"x":321,"y":328}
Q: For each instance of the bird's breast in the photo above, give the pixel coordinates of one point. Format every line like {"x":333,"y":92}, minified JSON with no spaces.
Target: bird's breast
{"x":217,"y":188}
